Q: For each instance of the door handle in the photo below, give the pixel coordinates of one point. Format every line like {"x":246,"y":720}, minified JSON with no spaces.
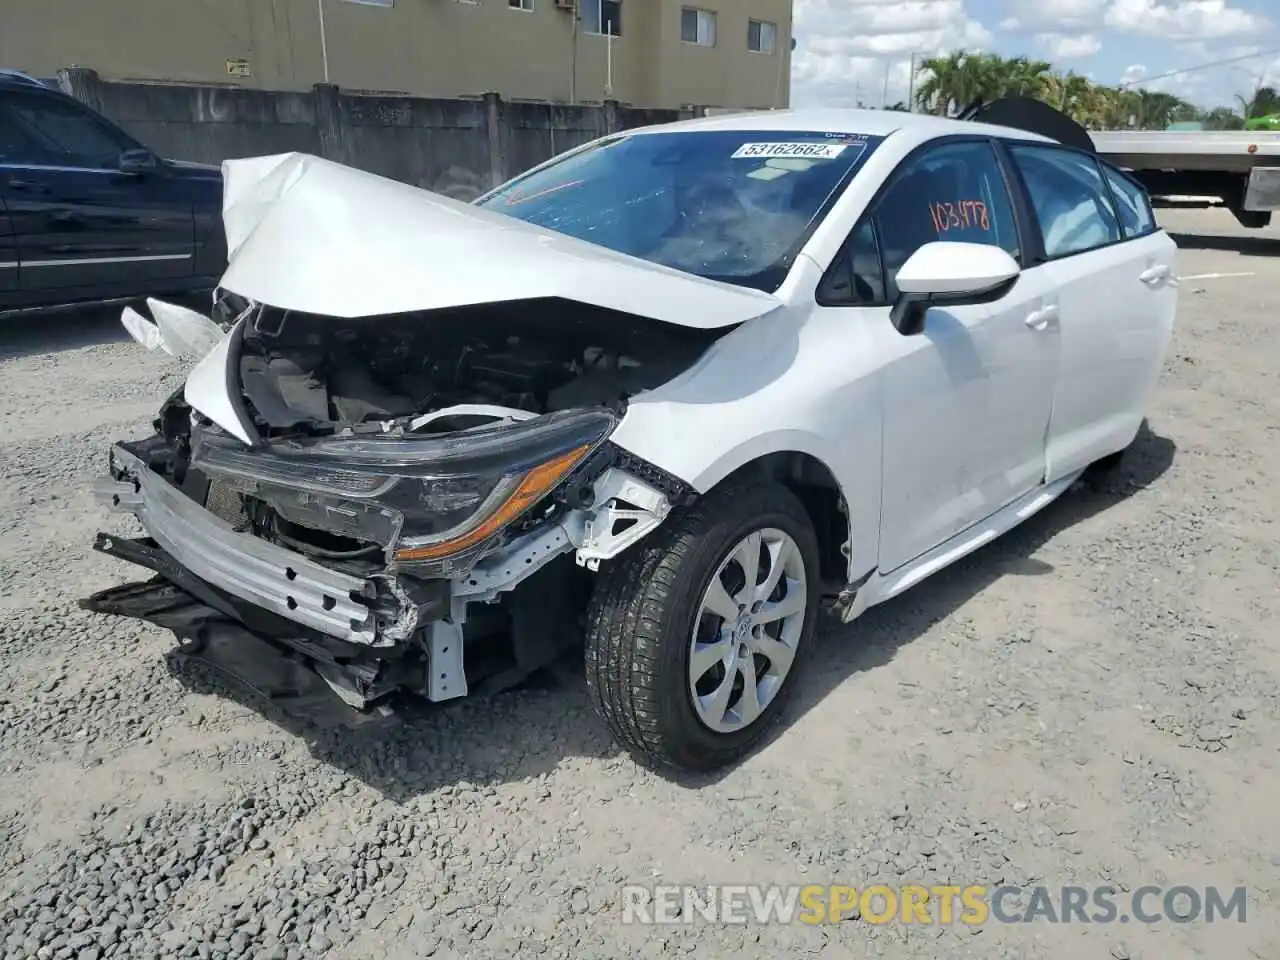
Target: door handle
{"x":1040,"y":319}
{"x":1153,"y":275}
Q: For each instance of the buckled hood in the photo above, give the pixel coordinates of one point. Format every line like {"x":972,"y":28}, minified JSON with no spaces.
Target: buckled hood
{"x":307,"y":234}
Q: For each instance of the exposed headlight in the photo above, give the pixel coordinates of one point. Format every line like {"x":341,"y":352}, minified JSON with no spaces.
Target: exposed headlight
{"x":427,"y":499}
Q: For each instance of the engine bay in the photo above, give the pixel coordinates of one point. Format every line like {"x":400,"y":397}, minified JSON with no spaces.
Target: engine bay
{"x":302,"y":373}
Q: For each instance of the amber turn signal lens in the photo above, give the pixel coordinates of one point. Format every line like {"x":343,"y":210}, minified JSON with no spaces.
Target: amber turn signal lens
{"x":536,"y":483}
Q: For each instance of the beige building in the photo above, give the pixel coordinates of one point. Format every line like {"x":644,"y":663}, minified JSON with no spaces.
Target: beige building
{"x":652,"y":53}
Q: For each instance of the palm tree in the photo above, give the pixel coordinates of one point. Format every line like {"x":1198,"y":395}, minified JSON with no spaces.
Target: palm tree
{"x":1069,"y":93}
{"x":952,"y":82}
{"x":1156,"y":110}
{"x":945,"y":86}
{"x":1223,"y":118}
{"x":1021,"y":77}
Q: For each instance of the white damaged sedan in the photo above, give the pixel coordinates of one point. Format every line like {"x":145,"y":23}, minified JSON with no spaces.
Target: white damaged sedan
{"x":677,"y":388}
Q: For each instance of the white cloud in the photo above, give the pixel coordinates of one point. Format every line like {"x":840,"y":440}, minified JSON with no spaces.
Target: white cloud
{"x":1183,"y":19}
{"x":1246,"y":50}
{"x":843,"y":43}
{"x":1196,"y":87}
{"x":1064,"y":46}
{"x":1033,"y":14}
{"x":1179,"y":20}
{"x":1192,"y":87}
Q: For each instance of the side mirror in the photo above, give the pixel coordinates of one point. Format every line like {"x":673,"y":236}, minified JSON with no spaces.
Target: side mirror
{"x":948,"y":273}
{"x":137,"y":161}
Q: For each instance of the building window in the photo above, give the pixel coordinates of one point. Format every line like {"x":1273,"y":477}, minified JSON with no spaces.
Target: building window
{"x":698,"y":26}
{"x":521,"y":5}
{"x":601,"y":16}
{"x":762,"y":36}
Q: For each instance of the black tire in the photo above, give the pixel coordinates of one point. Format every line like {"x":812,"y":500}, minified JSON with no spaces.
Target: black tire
{"x":1108,"y":466}
{"x":641,"y":619}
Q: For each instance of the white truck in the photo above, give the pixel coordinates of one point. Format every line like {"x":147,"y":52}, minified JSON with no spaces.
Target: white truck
{"x":1241,"y":168}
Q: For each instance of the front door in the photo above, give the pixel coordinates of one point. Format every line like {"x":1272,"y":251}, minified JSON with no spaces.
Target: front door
{"x":80,"y":222}
{"x":967,"y":402}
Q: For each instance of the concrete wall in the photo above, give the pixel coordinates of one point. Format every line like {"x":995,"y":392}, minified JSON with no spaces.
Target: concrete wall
{"x":459,"y":147}
{"x":435,"y":48}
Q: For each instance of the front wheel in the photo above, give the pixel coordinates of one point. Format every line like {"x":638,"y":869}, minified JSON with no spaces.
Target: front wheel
{"x":695,"y":638}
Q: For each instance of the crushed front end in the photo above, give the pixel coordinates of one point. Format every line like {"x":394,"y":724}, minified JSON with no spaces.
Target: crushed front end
{"x":410,"y":503}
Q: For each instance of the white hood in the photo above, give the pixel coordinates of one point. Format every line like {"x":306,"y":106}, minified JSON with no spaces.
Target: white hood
{"x":311,"y":235}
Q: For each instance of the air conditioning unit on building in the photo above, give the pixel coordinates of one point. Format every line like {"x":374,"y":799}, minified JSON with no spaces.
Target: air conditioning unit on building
{"x":568,"y":5}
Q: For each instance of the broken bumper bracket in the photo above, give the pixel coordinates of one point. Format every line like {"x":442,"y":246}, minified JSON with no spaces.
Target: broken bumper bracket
{"x":147,"y":553}
{"x":212,"y":629}
{"x":279,"y":580}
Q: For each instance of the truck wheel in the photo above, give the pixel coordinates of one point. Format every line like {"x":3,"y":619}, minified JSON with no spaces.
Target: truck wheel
{"x":695,"y":636}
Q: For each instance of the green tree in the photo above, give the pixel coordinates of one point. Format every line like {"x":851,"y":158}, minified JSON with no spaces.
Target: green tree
{"x":950,"y":83}
{"x":1264,"y":102}
{"x":1069,"y":92}
{"x":1020,"y":77}
{"x":946,"y":84}
{"x":1223,"y":118}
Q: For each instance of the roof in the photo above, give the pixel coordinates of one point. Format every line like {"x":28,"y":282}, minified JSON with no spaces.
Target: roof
{"x":875,"y":123}
{"x":20,"y":78}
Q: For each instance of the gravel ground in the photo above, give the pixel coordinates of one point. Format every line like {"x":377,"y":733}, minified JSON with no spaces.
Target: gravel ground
{"x":1091,"y":700}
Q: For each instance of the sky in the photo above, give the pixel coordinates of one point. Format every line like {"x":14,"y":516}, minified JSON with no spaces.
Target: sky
{"x":845,"y":49}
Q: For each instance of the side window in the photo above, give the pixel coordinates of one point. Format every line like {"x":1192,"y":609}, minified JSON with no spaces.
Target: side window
{"x":65,"y":134}
{"x":1071,"y":203}
{"x":854,"y":278}
{"x":952,"y":192}
{"x":1136,"y":216}
{"x":15,"y":145}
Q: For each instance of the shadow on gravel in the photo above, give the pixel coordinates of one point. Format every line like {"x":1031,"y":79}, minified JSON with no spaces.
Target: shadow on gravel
{"x":25,"y":335}
{"x":511,"y":736}
{"x":30,"y":334}
{"x":479,"y":740}
{"x":1245,"y":246}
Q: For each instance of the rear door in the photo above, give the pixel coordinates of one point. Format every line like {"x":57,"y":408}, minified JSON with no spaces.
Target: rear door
{"x":12,"y":146}
{"x":1159,"y":256}
{"x":80,"y":222}
{"x":8,"y":254}
{"x":1110,"y":289}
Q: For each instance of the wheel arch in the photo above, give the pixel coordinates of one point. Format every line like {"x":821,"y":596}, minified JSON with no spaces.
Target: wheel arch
{"x":819,"y":492}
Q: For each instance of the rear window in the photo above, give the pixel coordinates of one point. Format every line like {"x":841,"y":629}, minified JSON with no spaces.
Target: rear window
{"x":1132,"y":205}
{"x":727,"y":205}
{"x":1072,"y":204}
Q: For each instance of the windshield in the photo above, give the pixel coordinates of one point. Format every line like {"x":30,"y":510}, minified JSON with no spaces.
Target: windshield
{"x":728,"y":205}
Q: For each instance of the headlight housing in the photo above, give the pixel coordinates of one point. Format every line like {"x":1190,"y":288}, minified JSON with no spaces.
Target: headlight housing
{"x":428,"y":500}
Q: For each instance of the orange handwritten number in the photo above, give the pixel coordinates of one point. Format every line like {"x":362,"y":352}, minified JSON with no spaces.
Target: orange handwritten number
{"x":963,"y":214}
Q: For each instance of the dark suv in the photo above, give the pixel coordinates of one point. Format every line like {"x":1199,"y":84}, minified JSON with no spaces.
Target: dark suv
{"x":88,"y":214}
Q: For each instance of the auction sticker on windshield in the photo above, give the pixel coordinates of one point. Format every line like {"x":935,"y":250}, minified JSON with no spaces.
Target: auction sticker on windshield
{"x":793,"y":151}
